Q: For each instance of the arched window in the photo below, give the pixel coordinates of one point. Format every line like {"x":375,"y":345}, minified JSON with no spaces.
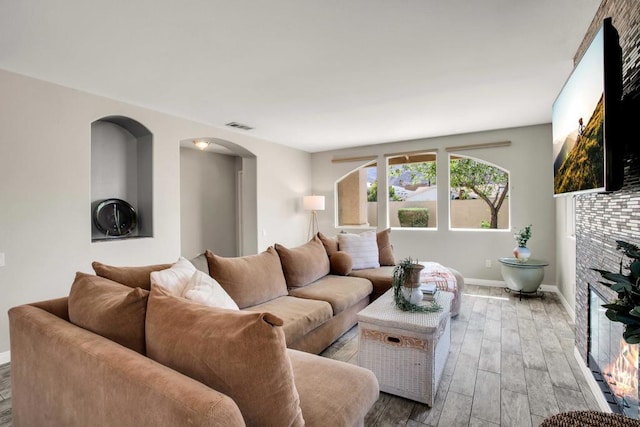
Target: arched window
{"x":479,"y":194}
{"x":356,"y":197}
{"x":413,"y":200}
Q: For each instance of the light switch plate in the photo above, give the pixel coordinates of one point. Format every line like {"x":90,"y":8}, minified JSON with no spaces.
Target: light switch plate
{"x":1,"y":259}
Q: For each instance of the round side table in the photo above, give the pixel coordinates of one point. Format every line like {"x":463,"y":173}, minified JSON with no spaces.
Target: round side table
{"x":523,"y":277}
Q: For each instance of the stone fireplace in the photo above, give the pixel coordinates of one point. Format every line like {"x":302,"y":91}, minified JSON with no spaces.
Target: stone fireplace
{"x":600,"y":220}
{"x":613,"y":362}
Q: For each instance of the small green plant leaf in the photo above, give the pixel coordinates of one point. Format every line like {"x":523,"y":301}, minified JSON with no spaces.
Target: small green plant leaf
{"x":614,"y":277}
{"x":619,"y":287}
{"x":635,"y":311}
{"x":617,"y":307}
{"x":635,"y":268}
{"x":631,"y":338}
{"x":623,"y":318}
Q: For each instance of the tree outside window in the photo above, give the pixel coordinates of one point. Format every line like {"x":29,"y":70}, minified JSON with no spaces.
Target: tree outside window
{"x":478,"y":191}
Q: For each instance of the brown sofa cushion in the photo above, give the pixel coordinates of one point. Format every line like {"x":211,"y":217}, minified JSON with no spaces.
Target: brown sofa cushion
{"x":304,"y":264}
{"x":251,"y":279}
{"x":330,"y":243}
{"x":134,"y":277}
{"x":332,"y":393}
{"x":341,"y":263}
{"x":381,"y":278}
{"x":385,"y":248}
{"x":109,"y":309}
{"x":300,"y":316}
{"x":339,"y":291}
{"x":241,"y":354}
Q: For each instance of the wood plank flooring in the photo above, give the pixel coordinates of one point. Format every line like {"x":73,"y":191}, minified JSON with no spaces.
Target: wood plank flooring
{"x":511,"y":364}
{"x":5,"y":395}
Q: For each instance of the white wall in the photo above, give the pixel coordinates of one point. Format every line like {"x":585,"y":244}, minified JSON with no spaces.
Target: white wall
{"x":207,"y":203}
{"x":566,"y":248}
{"x":45,"y":189}
{"x":528,"y":159}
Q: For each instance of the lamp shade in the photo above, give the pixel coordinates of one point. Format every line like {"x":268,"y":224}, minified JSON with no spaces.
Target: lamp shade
{"x":313,"y":203}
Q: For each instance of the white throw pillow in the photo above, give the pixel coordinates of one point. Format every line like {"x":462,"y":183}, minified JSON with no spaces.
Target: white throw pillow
{"x":175,"y":278}
{"x":205,"y":290}
{"x":363,"y":249}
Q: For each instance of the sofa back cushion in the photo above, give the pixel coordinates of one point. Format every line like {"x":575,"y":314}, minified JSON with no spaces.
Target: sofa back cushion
{"x":109,"y":309}
{"x":241,"y":354}
{"x":134,"y":277}
{"x":362,"y":247}
{"x":304,"y":264}
{"x":251,"y":279}
{"x":385,"y":248}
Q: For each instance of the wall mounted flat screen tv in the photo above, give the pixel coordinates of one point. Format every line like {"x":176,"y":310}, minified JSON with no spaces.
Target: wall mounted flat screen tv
{"x":587,"y":147}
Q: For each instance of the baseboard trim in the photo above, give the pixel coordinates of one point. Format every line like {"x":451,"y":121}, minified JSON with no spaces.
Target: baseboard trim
{"x":593,"y":385}
{"x":5,"y":357}
{"x":484,"y":282}
{"x":565,"y":303}
{"x":543,"y":287}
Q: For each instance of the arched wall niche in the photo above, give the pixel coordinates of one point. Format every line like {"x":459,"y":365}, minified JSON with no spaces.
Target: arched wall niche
{"x":122,"y":168}
{"x":218,"y":198}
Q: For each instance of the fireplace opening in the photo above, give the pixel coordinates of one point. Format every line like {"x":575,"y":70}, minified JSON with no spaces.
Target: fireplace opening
{"x":613,"y":362}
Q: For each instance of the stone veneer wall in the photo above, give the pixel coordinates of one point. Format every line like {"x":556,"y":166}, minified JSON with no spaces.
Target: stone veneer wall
{"x":601,"y":219}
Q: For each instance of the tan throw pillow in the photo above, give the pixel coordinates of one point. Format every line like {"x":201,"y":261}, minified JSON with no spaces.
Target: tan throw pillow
{"x":175,"y":278}
{"x":330,"y":244}
{"x":134,"y":277}
{"x":109,"y":309}
{"x":239,"y":353}
{"x":362,"y":247}
{"x":251,"y":279}
{"x":304,"y":264}
{"x":385,"y":248}
{"x":204,"y":289}
{"x":341,"y":263}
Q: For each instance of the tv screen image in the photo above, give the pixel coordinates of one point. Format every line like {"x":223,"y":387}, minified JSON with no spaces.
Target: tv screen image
{"x":585,"y":144}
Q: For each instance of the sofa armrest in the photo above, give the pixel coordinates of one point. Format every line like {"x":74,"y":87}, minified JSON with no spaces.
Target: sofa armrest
{"x":58,"y":307}
{"x":64,"y":375}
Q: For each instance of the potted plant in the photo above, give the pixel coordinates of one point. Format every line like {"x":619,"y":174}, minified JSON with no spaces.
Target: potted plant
{"x":406,"y":287}
{"x":626,"y":309}
{"x":521,"y":252}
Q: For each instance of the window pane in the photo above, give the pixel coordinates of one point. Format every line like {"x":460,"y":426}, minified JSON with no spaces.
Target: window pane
{"x":413,"y":195}
{"x":353,"y":195}
{"x":479,"y":194}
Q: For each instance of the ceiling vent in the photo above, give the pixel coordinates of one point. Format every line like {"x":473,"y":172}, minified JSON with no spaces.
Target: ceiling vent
{"x":238,"y":126}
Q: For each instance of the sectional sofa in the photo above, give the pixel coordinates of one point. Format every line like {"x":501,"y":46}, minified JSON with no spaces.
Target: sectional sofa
{"x":125,"y":348}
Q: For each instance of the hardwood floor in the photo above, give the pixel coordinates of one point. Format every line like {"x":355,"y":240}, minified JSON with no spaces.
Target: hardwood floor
{"x":5,"y":396}
{"x":511,"y":364}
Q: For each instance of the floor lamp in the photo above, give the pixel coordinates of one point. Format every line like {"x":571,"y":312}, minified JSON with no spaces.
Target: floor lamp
{"x":313,"y":204}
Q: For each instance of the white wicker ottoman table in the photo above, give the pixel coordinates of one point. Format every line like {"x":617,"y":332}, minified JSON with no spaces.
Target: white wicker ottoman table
{"x":406,"y":351}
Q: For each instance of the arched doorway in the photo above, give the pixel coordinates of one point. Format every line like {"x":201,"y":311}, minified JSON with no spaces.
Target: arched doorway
{"x":218,"y":197}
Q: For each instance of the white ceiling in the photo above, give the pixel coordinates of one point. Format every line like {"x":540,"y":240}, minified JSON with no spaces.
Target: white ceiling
{"x":315,"y":75}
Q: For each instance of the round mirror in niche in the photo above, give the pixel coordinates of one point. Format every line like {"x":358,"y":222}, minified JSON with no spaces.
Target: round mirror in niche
{"x":121,"y":179}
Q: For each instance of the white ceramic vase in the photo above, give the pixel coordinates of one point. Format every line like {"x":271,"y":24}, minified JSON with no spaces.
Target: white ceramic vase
{"x":522,"y":253}
{"x":413,"y":295}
